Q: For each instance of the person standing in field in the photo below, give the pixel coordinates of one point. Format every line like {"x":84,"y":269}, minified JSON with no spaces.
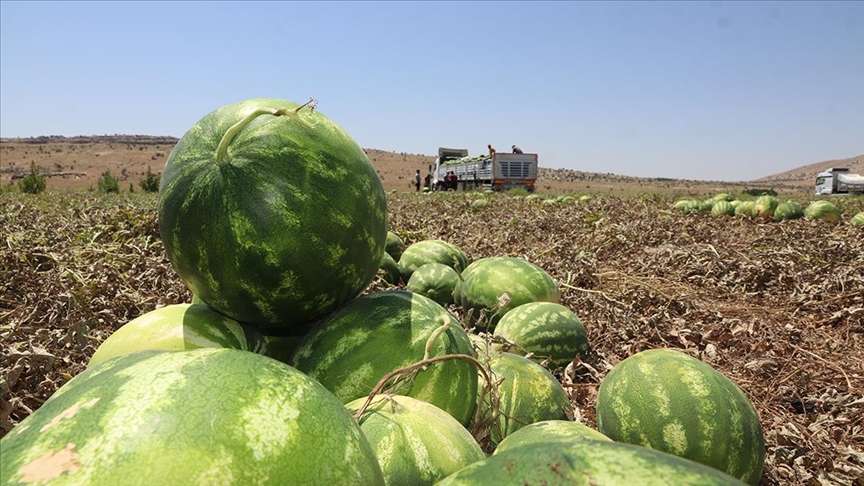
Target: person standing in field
{"x":517,"y":150}
{"x":417,"y":180}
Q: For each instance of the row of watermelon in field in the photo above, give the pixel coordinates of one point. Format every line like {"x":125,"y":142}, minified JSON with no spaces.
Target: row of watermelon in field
{"x":276,"y":221}
{"x":766,"y":208}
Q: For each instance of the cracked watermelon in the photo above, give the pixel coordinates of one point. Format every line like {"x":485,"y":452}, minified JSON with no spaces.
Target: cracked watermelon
{"x":587,"y":463}
{"x":669,"y":401}
{"x":491,"y":287}
{"x":356,"y":346}
{"x":205,"y":416}
{"x":179,"y":327}
{"x":416,"y":442}
{"x":271,"y":214}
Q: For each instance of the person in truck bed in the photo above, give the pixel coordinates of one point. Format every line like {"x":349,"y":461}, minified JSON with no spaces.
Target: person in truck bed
{"x":517,"y":150}
{"x":491,"y":150}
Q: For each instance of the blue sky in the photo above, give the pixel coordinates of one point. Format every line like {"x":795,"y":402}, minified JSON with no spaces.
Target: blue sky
{"x":700,"y":90}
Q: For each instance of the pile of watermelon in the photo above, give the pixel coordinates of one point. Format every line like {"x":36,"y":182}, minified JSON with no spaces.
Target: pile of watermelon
{"x":285,"y":369}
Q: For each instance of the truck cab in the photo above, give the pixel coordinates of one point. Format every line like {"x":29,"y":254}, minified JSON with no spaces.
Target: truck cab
{"x":838,"y":180}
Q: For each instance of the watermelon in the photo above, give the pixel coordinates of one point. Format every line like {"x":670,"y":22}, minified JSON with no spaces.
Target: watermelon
{"x":587,"y":463}
{"x":765,"y":206}
{"x":481,"y":293}
{"x":434,"y":280}
{"x":723,"y":197}
{"x":548,"y":431}
{"x":857,"y":221}
{"x":687,"y":206}
{"x":549,"y":331}
{"x":390,"y":270}
{"x":281,"y":348}
{"x":667,"y":400}
{"x":416,"y":443}
{"x":431,"y":251}
{"x":204,"y":416}
{"x":722,"y":208}
{"x":394,"y":246}
{"x":178,"y":327}
{"x":527,"y":393}
{"x":822,"y":210}
{"x":706,"y":205}
{"x":356,"y":346}
{"x":746,"y":208}
{"x":274,"y":221}
{"x":788,"y":210}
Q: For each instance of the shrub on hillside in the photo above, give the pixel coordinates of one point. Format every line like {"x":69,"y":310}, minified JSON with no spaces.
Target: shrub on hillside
{"x":150,"y":183}
{"x":34,"y":183}
{"x":108,"y":183}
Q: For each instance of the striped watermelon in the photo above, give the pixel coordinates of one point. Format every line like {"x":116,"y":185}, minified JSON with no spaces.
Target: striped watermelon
{"x":550,"y":331}
{"x":274,"y":221}
{"x":492,"y":286}
{"x":416,"y":442}
{"x":431,"y":251}
{"x":822,"y":210}
{"x":687,"y":206}
{"x":434,"y":280}
{"x":672,"y":402}
{"x":394,"y":246}
{"x":205,"y":416}
{"x":548,"y":431}
{"x":353,"y":348}
{"x":178,"y":327}
{"x":857,"y":221}
{"x":587,"y":463}
{"x":788,"y":210}
{"x":746,"y":208}
{"x":765,"y":207}
{"x":390,"y":270}
{"x":527,"y":393}
{"x":722,"y":208}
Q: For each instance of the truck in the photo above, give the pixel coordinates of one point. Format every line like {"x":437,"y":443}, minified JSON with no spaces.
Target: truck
{"x":499,"y":171}
{"x":838,"y":180}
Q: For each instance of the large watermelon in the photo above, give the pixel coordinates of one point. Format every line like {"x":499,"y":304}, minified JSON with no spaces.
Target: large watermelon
{"x":434,"y":280}
{"x":549,"y":331}
{"x":548,"y":431}
{"x":416,"y":442}
{"x":178,"y":327}
{"x":822,"y":210}
{"x":431,"y":251}
{"x":765,"y":206}
{"x":527,"y":393}
{"x":356,"y":346}
{"x":788,"y":210}
{"x":492,"y":286}
{"x":587,"y":463}
{"x":670,"y":401}
{"x":272,"y":220}
{"x":205,"y":416}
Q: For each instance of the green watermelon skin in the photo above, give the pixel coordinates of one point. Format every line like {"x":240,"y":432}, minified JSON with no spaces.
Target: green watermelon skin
{"x":857,"y":221}
{"x":205,"y":416}
{"x":548,"y":431}
{"x":788,"y":210}
{"x":822,"y":210}
{"x":550,"y":331}
{"x":528,"y":393}
{"x":285,"y":229}
{"x":436,"y":281}
{"x":431,"y":251}
{"x":485,"y":280}
{"x":390,"y":270}
{"x":416,"y":442}
{"x":587,"y":463}
{"x":394,"y":246}
{"x":356,"y":346}
{"x":179,"y":327}
{"x":669,"y":401}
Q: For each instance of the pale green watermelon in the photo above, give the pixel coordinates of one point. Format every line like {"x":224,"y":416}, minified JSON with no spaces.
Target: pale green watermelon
{"x":765,"y":207}
{"x":491,"y":287}
{"x":178,"y":327}
{"x":669,"y":401}
{"x":416,"y":443}
{"x":788,"y":210}
{"x":205,"y":416}
{"x":272,"y":214}
{"x":434,"y":280}
{"x":587,"y":463}
{"x":857,"y":221}
{"x":548,"y":431}
{"x":823,"y":211}
{"x":356,"y":346}
{"x":687,"y":205}
{"x":549,"y":331}
{"x":746,"y":208}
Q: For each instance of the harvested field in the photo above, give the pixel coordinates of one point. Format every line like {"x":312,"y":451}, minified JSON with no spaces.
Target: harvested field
{"x":776,"y":307}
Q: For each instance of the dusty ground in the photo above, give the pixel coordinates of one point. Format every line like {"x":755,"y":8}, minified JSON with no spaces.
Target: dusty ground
{"x":776,"y":307}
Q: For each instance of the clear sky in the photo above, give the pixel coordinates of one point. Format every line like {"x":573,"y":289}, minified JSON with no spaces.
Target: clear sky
{"x":700,"y":90}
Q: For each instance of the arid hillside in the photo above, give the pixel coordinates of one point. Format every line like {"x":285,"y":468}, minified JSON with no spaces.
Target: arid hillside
{"x":77,"y":163}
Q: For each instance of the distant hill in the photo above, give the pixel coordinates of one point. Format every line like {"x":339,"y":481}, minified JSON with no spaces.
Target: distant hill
{"x":806,"y":174}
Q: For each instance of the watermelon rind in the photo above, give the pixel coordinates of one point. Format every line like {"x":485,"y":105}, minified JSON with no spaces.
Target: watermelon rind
{"x":179,"y":327}
{"x":436,"y":281}
{"x":548,"y":431}
{"x":416,"y":443}
{"x":353,"y":348}
{"x":547,"y":330}
{"x":431,"y":251}
{"x":285,"y":227}
{"x":205,"y":416}
{"x":587,"y":463}
{"x":394,"y":246}
{"x":389,"y":270}
{"x":667,"y":400}
{"x":823,"y":211}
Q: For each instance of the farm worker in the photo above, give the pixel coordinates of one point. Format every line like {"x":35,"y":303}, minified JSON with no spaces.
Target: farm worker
{"x":491,"y":150}
{"x":417,"y":179}
{"x":517,"y":150}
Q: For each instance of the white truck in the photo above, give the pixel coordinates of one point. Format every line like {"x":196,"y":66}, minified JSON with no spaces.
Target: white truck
{"x":838,"y":180}
{"x":500,"y":171}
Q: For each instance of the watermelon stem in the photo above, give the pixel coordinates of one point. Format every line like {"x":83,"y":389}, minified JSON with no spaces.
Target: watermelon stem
{"x":222,"y":149}
{"x":432,"y":337}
